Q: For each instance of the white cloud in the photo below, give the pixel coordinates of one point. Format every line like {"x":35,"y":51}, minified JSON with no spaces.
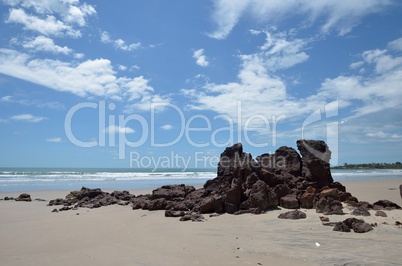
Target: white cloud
{"x":281,"y":51}
{"x":113,"y":129}
{"x":119,"y":43}
{"x":71,"y":12}
{"x":200,"y":58}
{"x":45,"y":44}
{"x":339,"y":15}
{"x":55,"y":140}
{"x":28,"y":118}
{"x":384,"y":135}
{"x":377,"y":92}
{"x":356,"y":65}
{"x":396,"y":45}
{"x":167,"y":127}
{"x":48,"y":26}
{"x":7,"y":98}
{"x":91,"y":77}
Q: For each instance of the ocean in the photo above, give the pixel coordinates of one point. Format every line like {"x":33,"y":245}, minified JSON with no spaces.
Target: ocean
{"x":29,"y":179}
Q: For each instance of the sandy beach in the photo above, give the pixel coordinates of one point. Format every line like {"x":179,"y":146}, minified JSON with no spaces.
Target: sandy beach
{"x":116,"y":235}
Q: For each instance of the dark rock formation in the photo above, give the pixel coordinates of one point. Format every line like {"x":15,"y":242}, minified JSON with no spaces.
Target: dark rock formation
{"x":400,"y":190}
{"x":293,"y":215}
{"x":90,"y":198}
{"x":385,"y":205}
{"x":358,"y":226}
{"x":242,"y":185}
{"x":24,"y":197}
{"x":315,"y":157}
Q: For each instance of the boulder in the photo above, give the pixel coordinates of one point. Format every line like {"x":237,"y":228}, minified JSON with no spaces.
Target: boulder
{"x":293,"y":215}
{"x":385,"y":205}
{"x":24,"y":197}
{"x":360,"y":212}
{"x":307,"y":198}
{"x":329,"y":206}
{"x":289,"y":202}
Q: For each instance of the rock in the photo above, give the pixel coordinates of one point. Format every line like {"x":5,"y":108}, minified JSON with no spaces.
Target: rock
{"x":55,"y":210}
{"x":341,"y":227}
{"x":329,"y":206}
{"x":324,"y":219}
{"x":289,"y":202}
{"x":37,"y":199}
{"x":358,"y":225}
{"x":362,"y":227}
{"x":293,"y":215}
{"x":380,"y":213}
{"x":315,"y":161}
{"x":171,"y":213}
{"x":385,"y":205}
{"x":195,"y":217}
{"x":261,"y":196}
{"x":307,"y":198}
{"x":122,"y":195}
{"x":171,"y":192}
{"x":24,"y":197}
{"x":360,"y":212}
{"x":330,"y":192}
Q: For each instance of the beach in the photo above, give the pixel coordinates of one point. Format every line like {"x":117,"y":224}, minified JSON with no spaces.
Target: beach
{"x":32,"y":235}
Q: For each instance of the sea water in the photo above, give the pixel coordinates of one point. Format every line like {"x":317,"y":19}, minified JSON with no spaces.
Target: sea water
{"x":28,"y":179}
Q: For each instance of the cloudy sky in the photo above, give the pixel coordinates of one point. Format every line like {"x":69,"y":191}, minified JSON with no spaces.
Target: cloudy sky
{"x":103,"y":83}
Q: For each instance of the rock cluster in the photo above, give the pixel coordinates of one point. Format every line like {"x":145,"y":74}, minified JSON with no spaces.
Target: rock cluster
{"x":247,"y":185}
{"x":91,"y":198}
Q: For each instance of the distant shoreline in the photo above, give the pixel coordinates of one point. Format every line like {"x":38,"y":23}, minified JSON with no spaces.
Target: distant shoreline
{"x":374,"y":166}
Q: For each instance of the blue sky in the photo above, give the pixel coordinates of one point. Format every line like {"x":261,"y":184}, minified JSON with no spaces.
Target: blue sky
{"x":141,"y":83}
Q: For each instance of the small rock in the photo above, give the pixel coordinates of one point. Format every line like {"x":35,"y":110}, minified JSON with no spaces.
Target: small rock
{"x":381,"y":213}
{"x":361,"y":212}
{"x":38,"y":199}
{"x":293,"y":215}
{"x":55,"y":210}
{"x":324,"y":219}
{"x":385,"y":204}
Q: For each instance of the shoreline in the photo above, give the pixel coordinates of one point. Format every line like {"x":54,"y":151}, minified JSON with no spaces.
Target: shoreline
{"x":32,"y":234}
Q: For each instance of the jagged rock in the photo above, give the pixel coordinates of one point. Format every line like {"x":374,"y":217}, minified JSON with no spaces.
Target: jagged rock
{"x":380,"y":213}
{"x":360,"y":212}
{"x":122,"y":195}
{"x":170,"y":192}
{"x":242,"y":185}
{"x":24,"y":197}
{"x":261,"y":196}
{"x":293,"y":215}
{"x":385,"y":205}
{"x":315,"y":158}
{"x":358,"y":226}
{"x":329,"y":206}
{"x":330,"y":192}
{"x":341,"y":227}
{"x":289,"y":202}
{"x":307,"y":198}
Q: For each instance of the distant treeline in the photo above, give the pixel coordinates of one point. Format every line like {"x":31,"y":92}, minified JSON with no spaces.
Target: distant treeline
{"x":397,"y":165}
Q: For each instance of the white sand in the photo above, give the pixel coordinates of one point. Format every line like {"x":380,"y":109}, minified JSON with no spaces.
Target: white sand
{"x":31,"y":235}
